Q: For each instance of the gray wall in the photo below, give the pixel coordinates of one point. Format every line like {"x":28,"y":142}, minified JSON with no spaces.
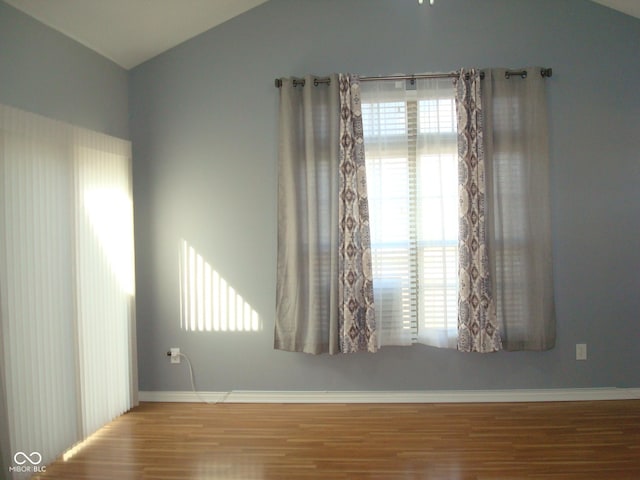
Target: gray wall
{"x":45,"y":72}
{"x":203,"y":119}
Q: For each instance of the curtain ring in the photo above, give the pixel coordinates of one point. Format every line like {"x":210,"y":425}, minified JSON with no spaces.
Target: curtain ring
{"x":315,"y":82}
{"x":507,"y":74}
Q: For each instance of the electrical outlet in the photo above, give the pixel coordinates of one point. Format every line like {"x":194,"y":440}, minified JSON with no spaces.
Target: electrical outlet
{"x":581,"y":351}
{"x":175,"y":355}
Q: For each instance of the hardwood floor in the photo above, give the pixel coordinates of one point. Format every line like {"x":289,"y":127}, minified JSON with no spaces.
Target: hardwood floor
{"x":568,"y":440}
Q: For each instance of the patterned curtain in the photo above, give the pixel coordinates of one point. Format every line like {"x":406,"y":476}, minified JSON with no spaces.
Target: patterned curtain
{"x":356,"y":319}
{"x":477,"y":323}
{"x":324,"y":291}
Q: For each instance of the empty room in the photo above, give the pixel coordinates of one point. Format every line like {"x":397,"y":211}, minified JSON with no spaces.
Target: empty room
{"x":319,"y":239}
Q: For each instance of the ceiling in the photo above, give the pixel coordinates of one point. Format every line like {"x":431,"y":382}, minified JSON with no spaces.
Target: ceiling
{"x":130,"y":32}
{"x":630,"y":7}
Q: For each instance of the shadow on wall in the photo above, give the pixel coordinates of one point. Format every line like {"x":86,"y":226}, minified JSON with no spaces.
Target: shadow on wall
{"x":207,"y":302}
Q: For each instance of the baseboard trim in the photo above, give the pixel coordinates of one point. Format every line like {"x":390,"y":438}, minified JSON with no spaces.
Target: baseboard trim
{"x":438,"y":396}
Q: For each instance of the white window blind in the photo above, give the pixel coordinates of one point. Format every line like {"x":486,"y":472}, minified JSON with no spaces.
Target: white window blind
{"x":66,"y":284}
{"x":411,"y":150}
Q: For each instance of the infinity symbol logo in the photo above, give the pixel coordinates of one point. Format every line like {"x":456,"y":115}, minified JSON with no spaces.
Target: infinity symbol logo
{"x":34,"y":458}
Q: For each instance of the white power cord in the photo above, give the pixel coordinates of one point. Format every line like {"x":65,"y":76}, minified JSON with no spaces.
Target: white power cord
{"x":193,"y":384}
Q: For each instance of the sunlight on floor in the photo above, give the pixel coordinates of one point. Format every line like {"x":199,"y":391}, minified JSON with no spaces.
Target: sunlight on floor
{"x":78,"y":447}
{"x":207,"y":302}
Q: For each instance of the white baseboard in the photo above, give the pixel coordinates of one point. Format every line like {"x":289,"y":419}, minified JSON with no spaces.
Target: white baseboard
{"x":438,"y":396}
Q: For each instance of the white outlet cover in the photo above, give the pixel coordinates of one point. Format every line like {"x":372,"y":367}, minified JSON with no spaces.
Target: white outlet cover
{"x":581,"y":351}
{"x":175,"y":355}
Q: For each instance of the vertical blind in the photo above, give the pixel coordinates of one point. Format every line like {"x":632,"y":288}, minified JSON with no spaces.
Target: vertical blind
{"x":66,"y":283}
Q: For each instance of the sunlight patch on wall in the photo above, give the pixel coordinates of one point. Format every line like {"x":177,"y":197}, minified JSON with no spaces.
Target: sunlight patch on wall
{"x":207,"y":302}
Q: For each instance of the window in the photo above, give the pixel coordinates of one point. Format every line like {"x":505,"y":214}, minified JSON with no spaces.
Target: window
{"x":412,"y":174}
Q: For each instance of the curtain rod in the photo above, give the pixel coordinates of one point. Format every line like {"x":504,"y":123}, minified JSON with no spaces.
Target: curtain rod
{"x":544,"y":72}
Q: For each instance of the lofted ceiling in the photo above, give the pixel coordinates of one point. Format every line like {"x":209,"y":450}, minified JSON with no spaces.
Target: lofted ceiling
{"x":630,"y":7}
{"x":130,"y":32}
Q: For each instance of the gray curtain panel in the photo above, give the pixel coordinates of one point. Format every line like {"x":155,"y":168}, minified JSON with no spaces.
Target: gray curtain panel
{"x":518,"y":206}
{"x":307,"y":266}
{"x":324,"y":287}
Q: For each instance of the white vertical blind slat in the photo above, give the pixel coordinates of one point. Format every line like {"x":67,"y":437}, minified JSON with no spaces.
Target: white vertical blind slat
{"x":36,"y":308}
{"x":106,"y":237}
{"x":66,"y":282}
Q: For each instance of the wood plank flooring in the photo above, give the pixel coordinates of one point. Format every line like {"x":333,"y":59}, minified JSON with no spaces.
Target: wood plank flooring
{"x":567,"y":440}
